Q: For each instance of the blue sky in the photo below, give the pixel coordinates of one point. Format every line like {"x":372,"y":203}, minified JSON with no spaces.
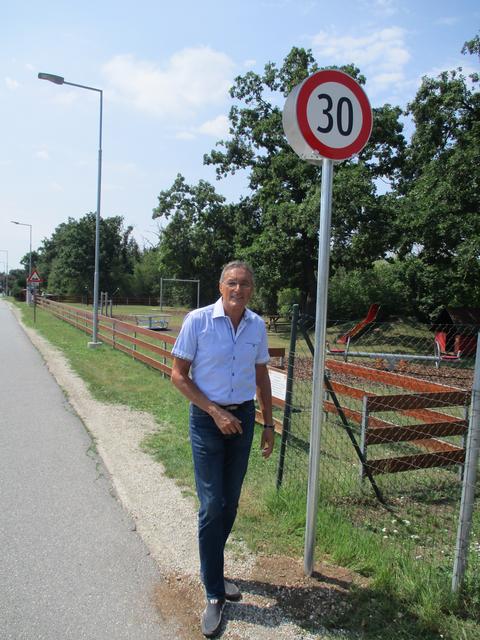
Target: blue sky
{"x":165,"y":69}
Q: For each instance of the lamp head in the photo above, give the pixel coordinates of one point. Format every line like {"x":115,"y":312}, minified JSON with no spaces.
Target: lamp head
{"x":51,"y":78}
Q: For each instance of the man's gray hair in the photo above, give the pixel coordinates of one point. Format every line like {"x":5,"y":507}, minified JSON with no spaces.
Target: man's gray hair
{"x":237,"y":264}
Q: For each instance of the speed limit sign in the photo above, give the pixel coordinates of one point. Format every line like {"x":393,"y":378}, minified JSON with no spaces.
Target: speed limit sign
{"x":326,"y":118}
{"x":328,"y":115}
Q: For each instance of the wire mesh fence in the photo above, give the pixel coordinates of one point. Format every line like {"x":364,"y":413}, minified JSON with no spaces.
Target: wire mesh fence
{"x":394,"y":434}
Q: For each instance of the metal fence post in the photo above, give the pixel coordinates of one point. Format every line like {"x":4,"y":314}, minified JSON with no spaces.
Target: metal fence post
{"x":469,"y":480}
{"x":287,"y":414}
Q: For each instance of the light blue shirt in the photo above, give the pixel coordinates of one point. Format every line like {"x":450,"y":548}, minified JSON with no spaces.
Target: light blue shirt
{"x":223,"y":361}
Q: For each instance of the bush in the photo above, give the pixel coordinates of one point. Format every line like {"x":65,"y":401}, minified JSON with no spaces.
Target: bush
{"x":286,"y":299}
{"x":351,"y":293}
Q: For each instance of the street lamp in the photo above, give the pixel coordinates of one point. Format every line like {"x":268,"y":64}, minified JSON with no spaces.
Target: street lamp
{"x":60,"y":80}
{"x":4,"y":267}
{"x":25,"y":224}
{"x":6,"y":281}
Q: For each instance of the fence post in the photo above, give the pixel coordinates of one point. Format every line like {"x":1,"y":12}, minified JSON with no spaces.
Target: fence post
{"x":469,"y":480}
{"x":287,"y":414}
{"x":164,"y":360}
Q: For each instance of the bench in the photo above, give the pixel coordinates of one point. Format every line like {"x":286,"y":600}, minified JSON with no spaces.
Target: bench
{"x":155,"y":322}
{"x":276,"y":321}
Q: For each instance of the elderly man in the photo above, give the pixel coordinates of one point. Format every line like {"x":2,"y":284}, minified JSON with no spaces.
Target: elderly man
{"x":224,"y":347}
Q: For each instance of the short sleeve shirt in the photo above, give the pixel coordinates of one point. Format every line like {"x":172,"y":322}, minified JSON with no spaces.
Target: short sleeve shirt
{"x":223,"y":361}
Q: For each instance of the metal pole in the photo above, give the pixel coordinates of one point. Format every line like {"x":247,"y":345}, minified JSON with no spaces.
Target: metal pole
{"x":198,"y":294}
{"x":318,"y":362}
{"x":30,"y":255}
{"x":95,"y":342}
{"x":161,"y":294}
{"x":60,"y":80}
{"x":469,"y":480}
{"x":287,"y":414}
{"x":6,"y":267}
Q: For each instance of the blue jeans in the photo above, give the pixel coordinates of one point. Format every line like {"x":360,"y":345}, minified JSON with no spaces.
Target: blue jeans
{"x":220,"y":463}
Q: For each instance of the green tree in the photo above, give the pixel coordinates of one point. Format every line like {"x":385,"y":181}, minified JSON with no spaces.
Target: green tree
{"x":284,"y":190}
{"x":438,"y":220}
{"x":66,"y":259}
{"x":199,"y":237}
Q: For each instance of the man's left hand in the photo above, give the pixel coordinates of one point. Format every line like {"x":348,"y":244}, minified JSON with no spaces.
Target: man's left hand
{"x":267,"y":442}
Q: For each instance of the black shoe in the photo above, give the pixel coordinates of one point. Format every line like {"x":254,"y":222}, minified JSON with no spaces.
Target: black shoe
{"x":212,"y":617}
{"x":232,"y":592}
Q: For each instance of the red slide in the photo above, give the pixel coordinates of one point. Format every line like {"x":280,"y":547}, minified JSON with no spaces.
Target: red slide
{"x":360,"y":327}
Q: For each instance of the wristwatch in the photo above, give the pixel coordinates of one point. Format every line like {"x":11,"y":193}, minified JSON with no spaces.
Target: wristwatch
{"x":269,"y":426}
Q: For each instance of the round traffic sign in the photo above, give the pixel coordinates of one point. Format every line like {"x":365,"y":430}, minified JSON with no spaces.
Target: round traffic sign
{"x":328,"y":115}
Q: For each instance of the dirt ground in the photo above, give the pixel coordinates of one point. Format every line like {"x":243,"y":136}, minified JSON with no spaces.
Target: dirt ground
{"x":277,"y":585}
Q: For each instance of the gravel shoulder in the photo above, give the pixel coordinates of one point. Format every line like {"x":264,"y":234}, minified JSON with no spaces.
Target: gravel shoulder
{"x":279,"y":601}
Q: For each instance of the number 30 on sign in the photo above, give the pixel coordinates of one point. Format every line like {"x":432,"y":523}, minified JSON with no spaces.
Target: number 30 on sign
{"x":328,"y":115}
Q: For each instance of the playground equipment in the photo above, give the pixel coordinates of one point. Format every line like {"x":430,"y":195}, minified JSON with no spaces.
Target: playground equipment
{"x":391,"y":358}
{"x":441,"y":346}
{"x":456,"y":330}
{"x":360,"y":327}
{"x":437,"y":358}
{"x":106,"y":304}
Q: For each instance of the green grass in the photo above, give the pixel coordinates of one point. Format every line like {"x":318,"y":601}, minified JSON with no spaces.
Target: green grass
{"x":403,"y":598}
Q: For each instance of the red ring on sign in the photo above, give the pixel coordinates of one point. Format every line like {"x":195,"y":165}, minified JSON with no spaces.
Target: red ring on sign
{"x":310,"y":84}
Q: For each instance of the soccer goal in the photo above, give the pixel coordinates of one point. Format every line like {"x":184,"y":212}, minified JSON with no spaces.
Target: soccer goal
{"x":179,"y":292}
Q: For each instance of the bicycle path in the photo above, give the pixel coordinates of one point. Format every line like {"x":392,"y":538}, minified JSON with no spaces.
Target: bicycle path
{"x":72,"y":566}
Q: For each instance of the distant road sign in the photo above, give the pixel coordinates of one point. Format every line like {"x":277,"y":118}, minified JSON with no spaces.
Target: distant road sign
{"x":34,"y":278}
{"x":328,"y":115}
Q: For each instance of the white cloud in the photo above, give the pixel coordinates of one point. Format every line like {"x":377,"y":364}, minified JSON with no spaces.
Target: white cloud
{"x":192,"y":78}
{"x":185,"y":135}
{"x":248,"y":64}
{"x":11,"y":84}
{"x":218,"y":127}
{"x":42,"y":154}
{"x":381,"y":55}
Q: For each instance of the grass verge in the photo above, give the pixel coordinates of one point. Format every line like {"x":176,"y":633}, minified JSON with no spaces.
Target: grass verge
{"x":400,"y":601}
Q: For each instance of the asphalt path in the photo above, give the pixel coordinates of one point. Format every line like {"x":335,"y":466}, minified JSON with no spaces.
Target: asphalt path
{"x":72,"y":566}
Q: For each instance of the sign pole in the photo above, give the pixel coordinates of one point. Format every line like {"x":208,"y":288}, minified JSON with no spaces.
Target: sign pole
{"x":326,"y":117}
{"x":318,"y":362}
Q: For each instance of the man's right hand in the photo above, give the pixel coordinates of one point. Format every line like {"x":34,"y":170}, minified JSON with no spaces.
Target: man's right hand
{"x":226,"y":421}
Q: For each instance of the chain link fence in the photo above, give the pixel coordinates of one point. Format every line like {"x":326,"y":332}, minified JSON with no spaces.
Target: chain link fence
{"x":393,"y":438}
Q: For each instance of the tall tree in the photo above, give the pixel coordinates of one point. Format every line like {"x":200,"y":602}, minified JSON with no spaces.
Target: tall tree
{"x":439,"y":194}
{"x":66,"y":259}
{"x":285,"y":190}
{"x":199,"y":237}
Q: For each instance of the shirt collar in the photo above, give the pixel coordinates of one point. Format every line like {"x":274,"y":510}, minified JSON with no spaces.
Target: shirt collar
{"x":219,"y":311}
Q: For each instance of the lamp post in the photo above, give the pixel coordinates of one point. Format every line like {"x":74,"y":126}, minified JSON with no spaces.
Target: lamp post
{"x":4,"y":267}
{"x":60,"y":80}
{"x":25,"y":224}
{"x":6,"y":278}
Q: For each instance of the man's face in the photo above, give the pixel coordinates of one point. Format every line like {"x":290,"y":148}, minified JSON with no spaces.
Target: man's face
{"x":236,"y":289}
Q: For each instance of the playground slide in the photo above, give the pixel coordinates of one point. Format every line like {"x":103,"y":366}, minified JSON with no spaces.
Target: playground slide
{"x":360,"y":327}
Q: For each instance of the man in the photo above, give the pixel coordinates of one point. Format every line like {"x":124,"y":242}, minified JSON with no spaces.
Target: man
{"x":224,"y":347}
